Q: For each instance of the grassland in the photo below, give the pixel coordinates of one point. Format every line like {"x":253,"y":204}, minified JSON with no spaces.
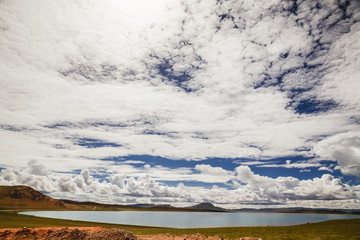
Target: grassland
{"x":329,"y":230}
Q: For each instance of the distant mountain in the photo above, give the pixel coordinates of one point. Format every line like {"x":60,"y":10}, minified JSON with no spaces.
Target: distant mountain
{"x":27,"y":198}
{"x":115,"y":207}
{"x":23,"y":197}
{"x":299,"y":210}
{"x":207,"y":207}
{"x":144,"y":205}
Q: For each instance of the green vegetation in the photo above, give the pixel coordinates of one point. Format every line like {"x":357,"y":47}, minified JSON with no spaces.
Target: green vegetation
{"x":334,"y":229}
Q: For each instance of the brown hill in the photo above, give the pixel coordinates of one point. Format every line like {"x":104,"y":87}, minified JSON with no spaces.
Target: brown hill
{"x":24,"y":197}
{"x":207,"y":207}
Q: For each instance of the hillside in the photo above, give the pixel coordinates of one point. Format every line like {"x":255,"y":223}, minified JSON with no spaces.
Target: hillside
{"x":23,"y":197}
{"x":207,"y":207}
{"x":27,"y":198}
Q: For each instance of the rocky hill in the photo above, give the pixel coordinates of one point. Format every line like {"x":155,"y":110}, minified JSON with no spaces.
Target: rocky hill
{"x":207,"y":207}
{"x":24,"y":197}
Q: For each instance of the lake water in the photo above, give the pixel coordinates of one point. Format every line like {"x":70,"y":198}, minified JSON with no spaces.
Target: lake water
{"x":190,"y":219}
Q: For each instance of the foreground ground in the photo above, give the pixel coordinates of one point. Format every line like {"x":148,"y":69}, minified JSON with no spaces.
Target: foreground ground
{"x":94,"y":233}
{"x":336,"y":229}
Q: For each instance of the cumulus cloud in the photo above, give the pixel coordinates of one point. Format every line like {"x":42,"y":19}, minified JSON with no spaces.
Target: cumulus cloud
{"x":327,"y":187}
{"x":12,"y":176}
{"x":344,"y":149}
{"x":247,"y":188}
{"x":37,"y":168}
{"x":86,"y":183}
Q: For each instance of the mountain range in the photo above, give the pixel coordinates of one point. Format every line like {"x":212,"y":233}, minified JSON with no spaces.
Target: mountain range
{"x":27,"y":198}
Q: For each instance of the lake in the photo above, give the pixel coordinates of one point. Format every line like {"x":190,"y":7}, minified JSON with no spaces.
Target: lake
{"x":190,"y":219}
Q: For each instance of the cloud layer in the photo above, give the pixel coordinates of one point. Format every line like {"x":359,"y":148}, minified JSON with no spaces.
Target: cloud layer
{"x":245,"y":188}
{"x":84,"y":81}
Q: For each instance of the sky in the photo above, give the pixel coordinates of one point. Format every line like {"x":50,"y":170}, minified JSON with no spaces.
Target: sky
{"x":244,"y":104}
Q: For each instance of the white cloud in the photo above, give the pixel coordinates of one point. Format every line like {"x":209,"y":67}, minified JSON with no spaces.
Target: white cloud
{"x":118,"y":180}
{"x":323,"y":168}
{"x":85,"y":74}
{"x":11,"y":176}
{"x":249,"y":188}
{"x":37,"y":168}
{"x":325,"y":188}
{"x":208,"y":169}
{"x":245,"y":175}
{"x":249,"y":163}
{"x":343,"y":148}
{"x":300,"y":164}
{"x":133,"y":162}
{"x":345,"y":72}
{"x":183,"y":80}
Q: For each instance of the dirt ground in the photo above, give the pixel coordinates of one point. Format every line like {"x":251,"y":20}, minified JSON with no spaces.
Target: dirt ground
{"x":186,"y":237}
{"x":81,"y":233}
{"x":92,"y":233}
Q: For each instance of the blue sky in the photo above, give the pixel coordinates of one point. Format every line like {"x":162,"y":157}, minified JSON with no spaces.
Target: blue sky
{"x":237,"y":103}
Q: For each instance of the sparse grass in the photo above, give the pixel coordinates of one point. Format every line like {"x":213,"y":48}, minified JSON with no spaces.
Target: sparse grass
{"x":348,"y":229}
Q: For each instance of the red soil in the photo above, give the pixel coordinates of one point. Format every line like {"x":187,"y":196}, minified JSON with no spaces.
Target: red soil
{"x":80,"y":233}
{"x":92,"y":233}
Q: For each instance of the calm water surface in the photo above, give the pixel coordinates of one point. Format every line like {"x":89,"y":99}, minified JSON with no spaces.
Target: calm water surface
{"x":190,"y":219}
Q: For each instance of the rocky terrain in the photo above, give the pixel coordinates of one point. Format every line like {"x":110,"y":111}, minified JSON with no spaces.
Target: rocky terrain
{"x":20,"y":197}
{"x":81,"y":233}
{"x":93,"y":233}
